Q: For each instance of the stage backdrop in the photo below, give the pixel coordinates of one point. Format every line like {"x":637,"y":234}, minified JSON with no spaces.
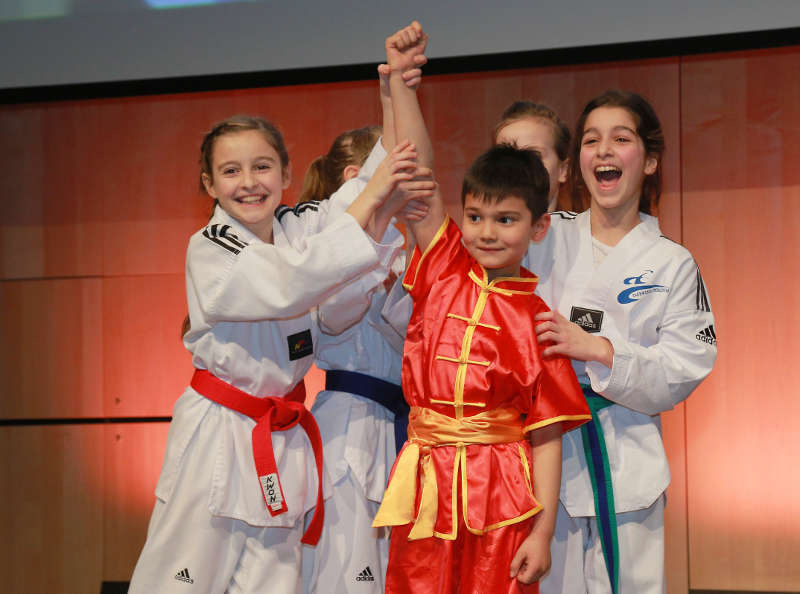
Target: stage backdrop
{"x":100,"y":197}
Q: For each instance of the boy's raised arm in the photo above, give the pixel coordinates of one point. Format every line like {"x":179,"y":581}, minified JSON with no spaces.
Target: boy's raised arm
{"x":402,"y":51}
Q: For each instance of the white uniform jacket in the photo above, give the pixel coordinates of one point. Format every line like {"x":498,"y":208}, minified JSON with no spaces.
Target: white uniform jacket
{"x":358,"y":433}
{"x":251,"y":326}
{"x":648,"y":298}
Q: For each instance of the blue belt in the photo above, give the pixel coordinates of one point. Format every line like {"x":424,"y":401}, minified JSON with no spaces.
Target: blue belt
{"x":594,"y":446}
{"x":387,"y":394}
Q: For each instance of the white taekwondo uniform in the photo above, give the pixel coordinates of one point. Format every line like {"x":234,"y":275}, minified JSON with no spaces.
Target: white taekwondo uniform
{"x":358,"y":433}
{"x":648,"y":299}
{"x":254,"y":327}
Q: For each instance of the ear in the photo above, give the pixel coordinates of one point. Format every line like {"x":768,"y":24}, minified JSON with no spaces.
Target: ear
{"x":209,"y":185}
{"x":540,"y":227}
{"x":287,"y":176}
{"x":650,"y":165}
{"x":563,"y":167}
{"x":350,"y":172}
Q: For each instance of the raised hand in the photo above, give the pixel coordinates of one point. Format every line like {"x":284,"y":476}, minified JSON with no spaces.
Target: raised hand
{"x":404,"y":47}
{"x":400,"y":165}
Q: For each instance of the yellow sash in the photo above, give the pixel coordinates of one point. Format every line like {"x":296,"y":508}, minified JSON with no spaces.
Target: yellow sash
{"x":428,"y":429}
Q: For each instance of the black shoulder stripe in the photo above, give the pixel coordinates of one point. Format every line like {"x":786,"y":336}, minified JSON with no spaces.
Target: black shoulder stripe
{"x":670,"y":239}
{"x":219,"y":234}
{"x":567,"y":215}
{"x":702,"y":297}
{"x":232,"y":237}
{"x":283,"y":210}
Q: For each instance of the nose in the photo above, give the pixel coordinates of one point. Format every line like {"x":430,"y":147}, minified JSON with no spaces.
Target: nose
{"x":487,"y":230}
{"x":604,"y":146}
{"x":248,"y":179}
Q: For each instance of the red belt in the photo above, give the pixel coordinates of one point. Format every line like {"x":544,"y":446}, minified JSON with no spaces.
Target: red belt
{"x":271,"y":414}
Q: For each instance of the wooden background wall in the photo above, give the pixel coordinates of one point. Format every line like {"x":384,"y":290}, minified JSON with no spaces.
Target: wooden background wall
{"x":100,"y":197}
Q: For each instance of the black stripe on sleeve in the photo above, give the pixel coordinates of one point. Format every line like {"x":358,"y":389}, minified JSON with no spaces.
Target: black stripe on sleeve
{"x":702,"y":296}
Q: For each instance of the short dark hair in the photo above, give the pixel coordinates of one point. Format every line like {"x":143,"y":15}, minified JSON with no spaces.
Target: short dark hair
{"x":648,"y":128}
{"x":505,"y":171}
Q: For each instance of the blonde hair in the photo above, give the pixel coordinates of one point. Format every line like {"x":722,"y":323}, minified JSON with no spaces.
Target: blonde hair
{"x":520,"y":110}
{"x":326,"y":173}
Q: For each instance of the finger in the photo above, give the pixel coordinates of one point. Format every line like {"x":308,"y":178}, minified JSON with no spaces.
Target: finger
{"x":384,"y":70}
{"x":420,"y":60}
{"x":527,"y":576}
{"x":418,"y":205}
{"x":408,"y":165}
{"x":544,"y":315}
{"x":416,"y":185}
{"x":516,"y":564}
{"x":553,"y":351}
{"x":401,"y":146}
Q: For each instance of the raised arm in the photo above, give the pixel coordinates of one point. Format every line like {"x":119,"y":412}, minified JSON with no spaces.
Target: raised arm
{"x":402,"y":51}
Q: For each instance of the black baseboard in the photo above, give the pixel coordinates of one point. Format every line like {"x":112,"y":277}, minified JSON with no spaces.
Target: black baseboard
{"x":114,"y":587}
{"x":737,"y":592}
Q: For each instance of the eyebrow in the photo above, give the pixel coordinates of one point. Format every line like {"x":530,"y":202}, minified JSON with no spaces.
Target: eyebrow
{"x":237,"y":162}
{"x":614,"y":129}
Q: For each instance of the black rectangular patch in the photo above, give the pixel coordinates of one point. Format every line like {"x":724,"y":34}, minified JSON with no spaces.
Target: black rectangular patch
{"x":590,"y":320}
{"x":300,"y":345}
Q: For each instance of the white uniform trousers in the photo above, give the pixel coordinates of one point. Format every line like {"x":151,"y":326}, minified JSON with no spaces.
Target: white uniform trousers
{"x":188,"y":546}
{"x":351,"y":555}
{"x":578,"y":563}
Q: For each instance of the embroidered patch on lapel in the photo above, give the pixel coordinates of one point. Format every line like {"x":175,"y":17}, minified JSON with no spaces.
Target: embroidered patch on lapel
{"x":300,"y":345}
{"x":590,"y":320}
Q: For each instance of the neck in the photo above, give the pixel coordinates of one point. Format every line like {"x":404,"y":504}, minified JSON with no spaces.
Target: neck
{"x":609,"y":226}
{"x":492,"y":274}
{"x":263,"y":231}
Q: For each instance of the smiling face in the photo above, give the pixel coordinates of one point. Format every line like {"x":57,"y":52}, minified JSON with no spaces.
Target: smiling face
{"x":247,"y":179}
{"x":497,"y":233}
{"x":613,"y":161}
{"x":537,"y":134}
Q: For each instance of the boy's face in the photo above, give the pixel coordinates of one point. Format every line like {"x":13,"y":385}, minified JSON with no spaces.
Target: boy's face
{"x":497,"y":233}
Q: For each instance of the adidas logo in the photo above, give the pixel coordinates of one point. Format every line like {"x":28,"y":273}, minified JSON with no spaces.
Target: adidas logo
{"x":707,"y":335}
{"x":183,"y":576}
{"x":590,"y":320}
{"x":366,"y":575}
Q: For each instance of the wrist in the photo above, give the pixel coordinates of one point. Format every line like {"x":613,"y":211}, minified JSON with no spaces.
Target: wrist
{"x":605,"y":351}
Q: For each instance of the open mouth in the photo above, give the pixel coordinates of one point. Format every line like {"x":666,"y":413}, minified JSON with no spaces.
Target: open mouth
{"x":607,"y":173}
{"x":251,"y":199}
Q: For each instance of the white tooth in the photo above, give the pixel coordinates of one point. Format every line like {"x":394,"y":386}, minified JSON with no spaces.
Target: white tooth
{"x":606,"y":168}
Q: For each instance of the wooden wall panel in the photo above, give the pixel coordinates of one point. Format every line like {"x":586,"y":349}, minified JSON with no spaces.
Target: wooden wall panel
{"x":51,"y":355}
{"x":146,"y":367}
{"x":742,"y":208}
{"x":51,"y":518}
{"x":77,"y":503}
{"x":133,"y":453}
{"x":50,"y":223}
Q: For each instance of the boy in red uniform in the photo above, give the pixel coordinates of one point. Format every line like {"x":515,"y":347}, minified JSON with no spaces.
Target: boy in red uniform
{"x":471,"y":510}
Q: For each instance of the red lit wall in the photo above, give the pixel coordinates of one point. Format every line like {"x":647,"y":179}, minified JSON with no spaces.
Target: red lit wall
{"x":100,"y":197}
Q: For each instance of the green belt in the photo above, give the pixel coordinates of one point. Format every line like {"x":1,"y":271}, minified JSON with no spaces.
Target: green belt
{"x":594,"y":446}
